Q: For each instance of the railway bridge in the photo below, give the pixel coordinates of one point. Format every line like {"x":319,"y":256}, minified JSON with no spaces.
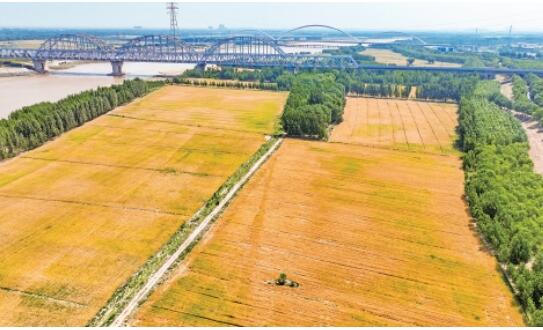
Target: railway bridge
{"x":252,"y":50}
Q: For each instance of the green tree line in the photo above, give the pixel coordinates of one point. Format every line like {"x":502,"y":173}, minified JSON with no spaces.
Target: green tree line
{"x":226,"y":83}
{"x":521,"y":99}
{"x":535,"y":84}
{"x":265,"y":75}
{"x":31,"y":126}
{"x":430,"y":85}
{"x":505,"y":196}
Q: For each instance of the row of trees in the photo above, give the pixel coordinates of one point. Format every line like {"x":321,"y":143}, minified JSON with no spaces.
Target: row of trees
{"x":315,"y":101}
{"x":468,"y":59}
{"x":521,"y":97}
{"x":429,"y":85}
{"x":535,"y":84}
{"x":225,"y":83}
{"x":505,"y":196}
{"x":31,"y":126}
{"x":268,"y":75}
{"x":381,"y":90}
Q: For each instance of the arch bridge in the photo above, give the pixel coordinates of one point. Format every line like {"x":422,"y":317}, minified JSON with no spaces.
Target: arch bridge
{"x":349,"y":36}
{"x":247,"y":50}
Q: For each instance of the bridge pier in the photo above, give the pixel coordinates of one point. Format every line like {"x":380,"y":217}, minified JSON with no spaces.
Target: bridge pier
{"x":117,"y":68}
{"x":39,"y":66}
{"x":201,"y":66}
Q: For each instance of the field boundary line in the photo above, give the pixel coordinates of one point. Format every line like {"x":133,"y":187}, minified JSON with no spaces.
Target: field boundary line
{"x":391,"y":123}
{"x":416,"y":125}
{"x":128,"y":167}
{"x":430,"y":126}
{"x":385,"y":147}
{"x":156,"y":277}
{"x":403,"y":124}
{"x":362,"y":96}
{"x":442,"y":126}
{"x":111,"y":205}
{"x":63,"y":302}
{"x":125,"y":116}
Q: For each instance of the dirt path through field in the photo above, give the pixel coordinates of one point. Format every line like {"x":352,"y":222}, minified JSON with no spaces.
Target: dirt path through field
{"x":195,"y":235}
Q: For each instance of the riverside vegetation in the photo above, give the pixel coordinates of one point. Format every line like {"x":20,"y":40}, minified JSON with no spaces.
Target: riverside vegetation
{"x":31,"y":126}
{"x":505,"y":196}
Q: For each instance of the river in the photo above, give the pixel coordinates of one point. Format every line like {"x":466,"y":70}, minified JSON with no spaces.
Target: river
{"x":29,"y":88}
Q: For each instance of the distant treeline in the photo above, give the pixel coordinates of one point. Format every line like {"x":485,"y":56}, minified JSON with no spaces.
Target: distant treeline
{"x":31,"y":126}
{"x":430,"y":85}
{"x":467,"y":59}
{"x":353,"y":51}
{"x":212,"y":82}
{"x":505,"y":196}
{"x":269,"y":75}
{"x":315,"y":101}
{"x":381,"y":90}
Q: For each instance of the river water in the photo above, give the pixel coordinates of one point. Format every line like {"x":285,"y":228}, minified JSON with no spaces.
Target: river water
{"x":23,"y":90}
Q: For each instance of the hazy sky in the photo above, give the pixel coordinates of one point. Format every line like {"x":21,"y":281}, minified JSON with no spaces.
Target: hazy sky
{"x":368,"y":16}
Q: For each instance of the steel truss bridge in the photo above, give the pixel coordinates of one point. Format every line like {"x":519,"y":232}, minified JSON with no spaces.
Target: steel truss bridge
{"x":252,"y":48}
{"x":249,"y":50}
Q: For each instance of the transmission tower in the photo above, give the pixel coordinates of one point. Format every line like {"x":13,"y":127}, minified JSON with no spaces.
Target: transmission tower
{"x":510,"y":37}
{"x":172,"y":10}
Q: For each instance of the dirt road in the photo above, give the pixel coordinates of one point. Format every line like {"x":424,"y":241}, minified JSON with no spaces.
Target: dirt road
{"x":155,"y":278}
{"x":533,"y":129}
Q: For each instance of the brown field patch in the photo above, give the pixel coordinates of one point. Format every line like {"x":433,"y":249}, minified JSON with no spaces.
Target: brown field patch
{"x":82,"y":213}
{"x":387,"y":56}
{"x":401,"y":124}
{"x":374,"y":236}
{"x":30,"y":44}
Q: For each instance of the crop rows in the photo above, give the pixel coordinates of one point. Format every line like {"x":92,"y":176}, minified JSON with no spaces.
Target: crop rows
{"x":82,"y":213}
{"x":405,"y":125}
{"x":374,"y":236}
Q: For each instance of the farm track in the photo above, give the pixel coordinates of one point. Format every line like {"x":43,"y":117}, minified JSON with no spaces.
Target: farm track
{"x":373,"y":228}
{"x":533,"y":129}
{"x":192,"y":238}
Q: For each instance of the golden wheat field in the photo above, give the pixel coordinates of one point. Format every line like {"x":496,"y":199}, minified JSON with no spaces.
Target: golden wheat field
{"x":374,"y":235}
{"x":400,"y":124}
{"x":80,"y":214}
{"x":387,"y":56}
